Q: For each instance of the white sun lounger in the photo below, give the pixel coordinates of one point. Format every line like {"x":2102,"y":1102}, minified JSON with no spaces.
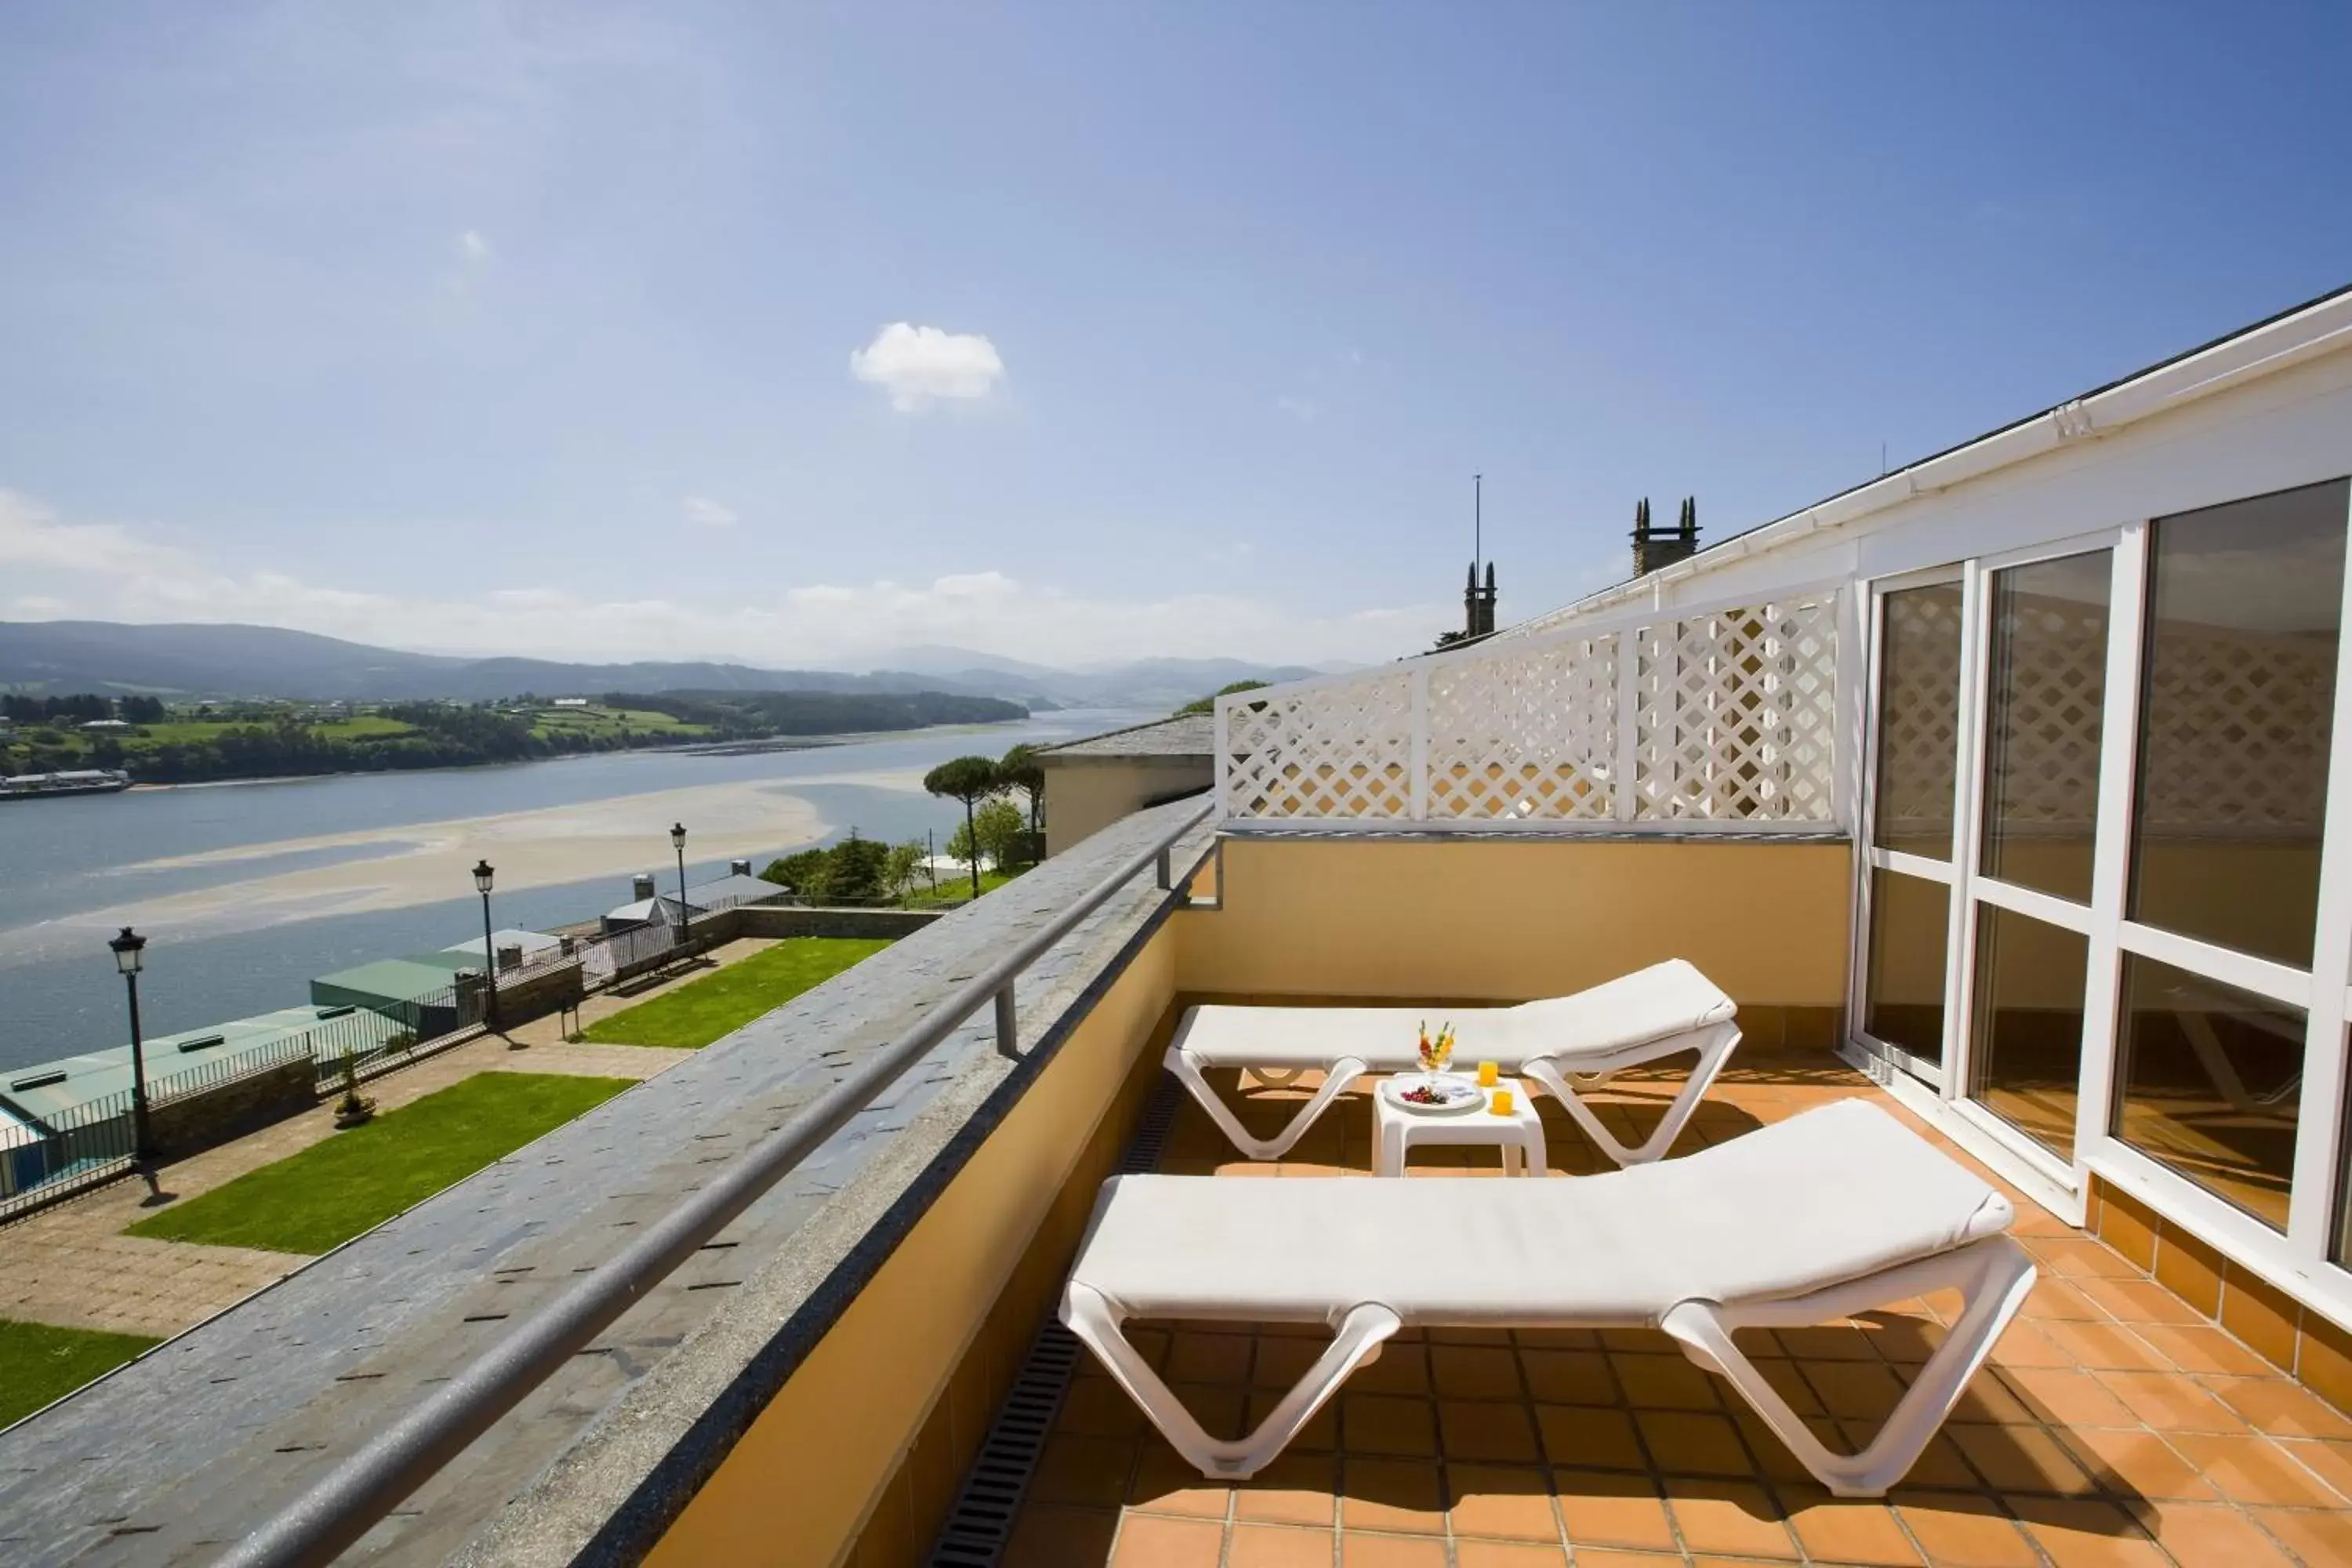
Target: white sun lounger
{"x":1639,"y":1017}
{"x":1834,"y":1212}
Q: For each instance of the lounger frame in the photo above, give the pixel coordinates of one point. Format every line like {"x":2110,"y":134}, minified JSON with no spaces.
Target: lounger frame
{"x":1561,"y":1075}
{"x":1993,"y":1275}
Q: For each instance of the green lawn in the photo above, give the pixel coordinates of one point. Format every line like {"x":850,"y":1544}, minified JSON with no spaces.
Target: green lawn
{"x":332,"y":1192}
{"x":188,"y":732}
{"x":599,"y":720}
{"x":39,"y":1363}
{"x":957,"y":889}
{"x":696,"y":1014}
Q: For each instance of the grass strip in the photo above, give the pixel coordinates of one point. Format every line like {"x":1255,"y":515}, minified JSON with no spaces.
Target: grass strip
{"x":703,"y":1010}
{"x":317,"y":1200}
{"x":40,"y":1362}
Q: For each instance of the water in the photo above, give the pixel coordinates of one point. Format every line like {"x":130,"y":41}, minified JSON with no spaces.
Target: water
{"x":63,"y":862}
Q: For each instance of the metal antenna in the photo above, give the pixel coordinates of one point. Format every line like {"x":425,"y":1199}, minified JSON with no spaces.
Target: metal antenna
{"x":1477,"y":520}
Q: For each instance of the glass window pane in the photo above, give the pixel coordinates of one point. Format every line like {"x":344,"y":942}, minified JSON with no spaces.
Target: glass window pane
{"x":2237,"y":698}
{"x":2029,"y":1023}
{"x":1919,"y":719}
{"x":2208,"y":1082}
{"x":2048,"y":688}
{"x":1903,"y":999}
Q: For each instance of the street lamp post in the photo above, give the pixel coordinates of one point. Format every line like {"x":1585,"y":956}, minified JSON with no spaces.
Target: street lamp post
{"x":678,"y":842}
{"x":127,"y":949}
{"x":483,"y":873}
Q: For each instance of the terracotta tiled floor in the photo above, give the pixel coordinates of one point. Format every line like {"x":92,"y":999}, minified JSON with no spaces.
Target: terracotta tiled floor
{"x":2114,"y":1426}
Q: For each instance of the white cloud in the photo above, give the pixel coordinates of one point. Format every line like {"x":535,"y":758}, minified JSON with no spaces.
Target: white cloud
{"x":1298,"y":409}
{"x":104,"y":572}
{"x":705,"y":513}
{"x":918,"y":365}
{"x":472,"y":246}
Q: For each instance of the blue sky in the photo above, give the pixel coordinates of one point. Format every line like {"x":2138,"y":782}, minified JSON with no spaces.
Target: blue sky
{"x":574,"y":328}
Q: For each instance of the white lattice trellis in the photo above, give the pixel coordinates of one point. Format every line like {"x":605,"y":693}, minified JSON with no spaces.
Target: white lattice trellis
{"x":1731,"y":721}
{"x":1530,"y":738}
{"x":1736,"y":714}
{"x":1324,"y":751}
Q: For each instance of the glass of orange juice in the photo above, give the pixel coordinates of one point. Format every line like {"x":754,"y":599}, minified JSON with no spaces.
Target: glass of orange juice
{"x":1488,"y":1075}
{"x":1503,"y":1103}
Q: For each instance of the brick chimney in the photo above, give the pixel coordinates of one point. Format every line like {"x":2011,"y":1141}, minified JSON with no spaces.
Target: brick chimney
{"x":1656,"y":547}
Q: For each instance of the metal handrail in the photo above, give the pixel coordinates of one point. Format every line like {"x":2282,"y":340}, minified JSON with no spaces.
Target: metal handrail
{"x":348,"y":1502}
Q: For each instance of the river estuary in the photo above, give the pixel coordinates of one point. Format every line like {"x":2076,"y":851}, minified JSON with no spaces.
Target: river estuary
{"x":247,"y":891}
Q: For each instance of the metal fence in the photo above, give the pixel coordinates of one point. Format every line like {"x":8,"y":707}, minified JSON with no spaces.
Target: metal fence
{"x":78,"y":1147}
{"x":43,"y":1159}
{"x":168,"y":1087}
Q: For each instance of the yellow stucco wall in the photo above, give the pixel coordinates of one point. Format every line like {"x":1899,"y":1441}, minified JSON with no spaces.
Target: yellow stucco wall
{"x":801,"y":1484}
{"x":1510,"y":919}
{"x":848,"y":1456}
{"x":1084,"y":796}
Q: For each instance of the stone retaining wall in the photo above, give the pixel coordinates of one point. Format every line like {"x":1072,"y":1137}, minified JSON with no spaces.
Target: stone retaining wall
{"x":212,"y":1116}
{"x":782,"y":920}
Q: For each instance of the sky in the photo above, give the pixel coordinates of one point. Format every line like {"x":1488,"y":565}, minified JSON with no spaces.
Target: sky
{"x":796,"y":334}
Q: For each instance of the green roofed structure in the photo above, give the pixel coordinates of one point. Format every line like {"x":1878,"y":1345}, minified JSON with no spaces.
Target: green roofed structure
{"x":418,"y":994}
{"x":49,"y":1089}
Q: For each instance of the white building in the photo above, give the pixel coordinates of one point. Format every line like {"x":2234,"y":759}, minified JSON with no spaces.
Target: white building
{"x":2074,"y":693}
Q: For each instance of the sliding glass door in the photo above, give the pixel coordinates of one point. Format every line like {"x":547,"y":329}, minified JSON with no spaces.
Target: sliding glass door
{"x":1907,"y":893}
{"x":2092,"y":913}
{"x":2028,"y":905}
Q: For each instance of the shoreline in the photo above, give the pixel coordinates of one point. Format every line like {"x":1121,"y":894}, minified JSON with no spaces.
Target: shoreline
{"x":678,"y":748}
{"x":423,"y":863}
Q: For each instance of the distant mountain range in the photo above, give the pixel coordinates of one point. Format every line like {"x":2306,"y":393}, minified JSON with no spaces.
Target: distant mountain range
{"x":187,"y":662}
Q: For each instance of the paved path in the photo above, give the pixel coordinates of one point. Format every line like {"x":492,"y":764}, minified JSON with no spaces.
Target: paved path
{"x":72,"y":1266}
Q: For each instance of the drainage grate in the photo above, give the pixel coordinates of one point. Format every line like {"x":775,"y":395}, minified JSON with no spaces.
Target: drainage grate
{"x":981,"y":1520}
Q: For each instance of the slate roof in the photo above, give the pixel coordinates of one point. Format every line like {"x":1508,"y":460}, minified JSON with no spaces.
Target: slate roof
{"x":531,"y":941}
{"x":742,"y":890}
{"x":1188,"y":735}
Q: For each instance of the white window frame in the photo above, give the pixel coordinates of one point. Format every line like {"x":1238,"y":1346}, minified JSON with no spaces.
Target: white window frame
{"x":2299,"y":1259}
{"x":1972,"y":887}
{"x":1868,"y":856}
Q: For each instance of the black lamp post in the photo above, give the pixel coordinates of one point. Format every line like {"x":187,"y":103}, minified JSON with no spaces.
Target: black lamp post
{"x":483,"y":873}
{"x":678,"y":842}
{"x":127,"y":949}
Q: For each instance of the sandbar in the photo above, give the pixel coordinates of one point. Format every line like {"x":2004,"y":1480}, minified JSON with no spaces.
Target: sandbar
{"x":429,"y":862}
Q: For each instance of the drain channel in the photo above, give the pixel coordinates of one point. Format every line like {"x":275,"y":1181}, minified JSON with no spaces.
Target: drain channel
{"x":981,"y":1522}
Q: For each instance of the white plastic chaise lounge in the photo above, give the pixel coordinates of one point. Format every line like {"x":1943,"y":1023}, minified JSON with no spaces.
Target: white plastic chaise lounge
{"x":1831,"y":1213}
{"x":1639,"y":1017}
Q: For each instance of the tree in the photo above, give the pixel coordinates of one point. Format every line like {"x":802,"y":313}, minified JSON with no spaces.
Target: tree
{"x":969,"y":780}
{"x":1208,"y":704}
{"x":807,"y":873}
{"x":961,"y":847}
{"x":856,"y":865}
{"x":905,"y":862}
{"x":1019,"y":769}
{"x":1001,"y":833}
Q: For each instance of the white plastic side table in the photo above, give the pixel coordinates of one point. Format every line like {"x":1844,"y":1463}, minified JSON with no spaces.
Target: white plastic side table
{"x":1519,"y":1135}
